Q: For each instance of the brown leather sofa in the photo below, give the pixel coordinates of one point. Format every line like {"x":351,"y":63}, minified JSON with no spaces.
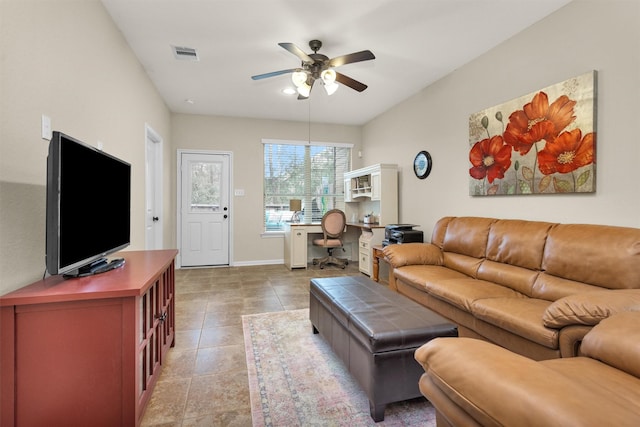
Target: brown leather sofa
{"x":474,"y":383}
{"x":535,"y":288}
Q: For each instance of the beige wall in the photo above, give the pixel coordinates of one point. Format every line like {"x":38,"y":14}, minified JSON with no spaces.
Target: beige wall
{"x":65,"y":59}
{"x":583,"y":36}
{"x":243,"y":137}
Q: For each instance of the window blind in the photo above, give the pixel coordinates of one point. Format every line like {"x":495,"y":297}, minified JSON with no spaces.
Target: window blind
{"x":312,"y":172}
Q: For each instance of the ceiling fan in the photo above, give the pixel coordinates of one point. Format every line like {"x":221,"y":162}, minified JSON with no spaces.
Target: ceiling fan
{"x":318,"y":66}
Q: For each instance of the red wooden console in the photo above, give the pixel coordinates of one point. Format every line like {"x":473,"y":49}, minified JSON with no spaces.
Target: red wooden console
{"x":87,"y":351}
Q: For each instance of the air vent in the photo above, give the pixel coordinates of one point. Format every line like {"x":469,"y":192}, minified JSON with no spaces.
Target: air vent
{"x":185,"y":53}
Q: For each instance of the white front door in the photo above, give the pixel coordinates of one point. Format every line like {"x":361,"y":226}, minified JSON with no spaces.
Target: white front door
{"x":204,"y":209}
{"x":153,"y":190}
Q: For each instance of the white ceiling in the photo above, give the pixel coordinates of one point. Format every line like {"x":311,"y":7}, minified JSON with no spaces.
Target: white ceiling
{"x":416,"y":42}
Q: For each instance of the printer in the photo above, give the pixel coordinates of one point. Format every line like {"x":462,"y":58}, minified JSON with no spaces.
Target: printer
{"x":401,"y":233}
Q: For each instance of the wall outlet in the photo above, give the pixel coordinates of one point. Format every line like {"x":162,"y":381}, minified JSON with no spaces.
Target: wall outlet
{"x":238,"y":192}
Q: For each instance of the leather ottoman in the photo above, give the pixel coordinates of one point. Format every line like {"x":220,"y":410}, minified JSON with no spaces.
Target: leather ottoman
{"x":375,"y":332}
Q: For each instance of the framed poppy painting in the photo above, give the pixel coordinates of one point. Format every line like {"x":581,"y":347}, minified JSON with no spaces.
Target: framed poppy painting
{"x":540,"y":143}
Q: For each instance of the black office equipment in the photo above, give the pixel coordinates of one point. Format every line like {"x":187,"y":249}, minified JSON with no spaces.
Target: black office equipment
{"x":401,"y":233}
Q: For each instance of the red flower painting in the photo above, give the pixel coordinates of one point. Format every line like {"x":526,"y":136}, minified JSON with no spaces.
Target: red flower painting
{"x":568,"y":152}
{"x":547,"y":145}
{"x":538,"y":121}
{"x":490,"y":158}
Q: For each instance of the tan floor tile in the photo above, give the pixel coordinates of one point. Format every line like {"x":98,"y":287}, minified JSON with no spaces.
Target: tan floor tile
{"x":221,"y":336}
{"x":167,"y":403}
{"x":211,"y":360}
{"x":215,"y":394}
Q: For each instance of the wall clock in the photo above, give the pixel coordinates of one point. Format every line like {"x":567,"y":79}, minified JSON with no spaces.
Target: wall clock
{"x":422,"y":164}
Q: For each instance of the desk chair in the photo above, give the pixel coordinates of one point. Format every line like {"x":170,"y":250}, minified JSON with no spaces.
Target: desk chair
{"x":333,"y":225}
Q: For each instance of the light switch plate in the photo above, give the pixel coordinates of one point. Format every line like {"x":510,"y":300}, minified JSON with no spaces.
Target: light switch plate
{"x":238,"y":192}
{"x":46,"y":127}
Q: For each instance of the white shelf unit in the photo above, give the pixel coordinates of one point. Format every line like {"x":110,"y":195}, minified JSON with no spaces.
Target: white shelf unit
{"x":371,"y":190}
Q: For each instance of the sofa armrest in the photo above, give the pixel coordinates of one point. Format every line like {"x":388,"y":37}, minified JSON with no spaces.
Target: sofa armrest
{"x":589,"y":308}
{"x":570,"y":339}
{"x":413,"y":253}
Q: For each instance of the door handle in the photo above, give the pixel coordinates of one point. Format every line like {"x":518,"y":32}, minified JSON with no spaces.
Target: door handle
{"x":155,"y":218}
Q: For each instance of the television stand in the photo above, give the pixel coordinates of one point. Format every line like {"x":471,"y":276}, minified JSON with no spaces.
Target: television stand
{"x":99,"y":266}
{"x":87,"y":351}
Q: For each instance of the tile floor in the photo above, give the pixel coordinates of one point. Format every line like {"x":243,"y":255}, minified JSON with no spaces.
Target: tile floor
{"x":204,"y":379}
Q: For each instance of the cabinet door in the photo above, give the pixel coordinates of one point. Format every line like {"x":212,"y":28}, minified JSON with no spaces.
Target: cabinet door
{"x":151,"y":339}
{"x":298,"y":247}
{"x":167,"y":313}
{"x":347,"y":190}
{"x":376,"y":184}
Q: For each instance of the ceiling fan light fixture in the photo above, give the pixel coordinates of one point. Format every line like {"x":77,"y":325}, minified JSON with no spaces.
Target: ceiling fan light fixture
{"x":328,"y":76}
{"x":299,"y":78}
{"x":331,"y":88}
{"x":304,"y":89}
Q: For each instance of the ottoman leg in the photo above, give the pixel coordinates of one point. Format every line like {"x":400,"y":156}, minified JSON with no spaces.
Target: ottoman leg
{"x":377,"y":411}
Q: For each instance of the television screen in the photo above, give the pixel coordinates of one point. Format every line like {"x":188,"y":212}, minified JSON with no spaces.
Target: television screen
{"x":88,"y":206}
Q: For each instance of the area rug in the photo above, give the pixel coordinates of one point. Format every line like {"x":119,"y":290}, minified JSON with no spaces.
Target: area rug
{"x":296,"y":380}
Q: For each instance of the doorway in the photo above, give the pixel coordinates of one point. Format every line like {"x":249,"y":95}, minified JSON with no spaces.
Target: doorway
{"x":204,"y":211}
{"x":153,"y":189}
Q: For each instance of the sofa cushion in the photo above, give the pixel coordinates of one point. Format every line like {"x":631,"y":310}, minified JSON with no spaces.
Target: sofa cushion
{"x":463,"y":292}
{"x":552,"y":288}
{"x":518,"y":242}
{"x":589,"y":308}
{"x":520,"y":316}
{"x":418,"y":275}
{"x":616,"y":342}
{"x":514,"y":277}
{"x":600,"y":255}
{"x":467,"y":236}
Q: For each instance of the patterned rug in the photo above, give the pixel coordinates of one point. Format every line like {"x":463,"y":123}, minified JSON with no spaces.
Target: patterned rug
{"x":296,"y":380}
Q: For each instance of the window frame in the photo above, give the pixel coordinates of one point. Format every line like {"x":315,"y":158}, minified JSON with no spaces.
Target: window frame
{"x":309,"y":195}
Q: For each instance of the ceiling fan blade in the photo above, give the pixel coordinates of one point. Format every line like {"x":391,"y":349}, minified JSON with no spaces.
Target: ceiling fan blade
{"x":348,"y":81}
{"x":297,"y":52}
{"x":273,"y":74}
{"x":364,"y":55}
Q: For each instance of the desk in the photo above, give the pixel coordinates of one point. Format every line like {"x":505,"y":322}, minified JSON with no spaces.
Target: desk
{"x":297,"y":242}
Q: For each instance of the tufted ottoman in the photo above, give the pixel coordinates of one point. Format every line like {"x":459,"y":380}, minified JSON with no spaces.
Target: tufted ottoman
{"x":375,"y":332}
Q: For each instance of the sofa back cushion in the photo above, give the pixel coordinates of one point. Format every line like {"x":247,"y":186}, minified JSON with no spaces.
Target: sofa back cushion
{"x":517,"y":242}
{"x":467,"y":236}
{"x":599,"y":255}
{"x":439,"y":231}
{"x":514,"y":253}
{"x":616,"y":342}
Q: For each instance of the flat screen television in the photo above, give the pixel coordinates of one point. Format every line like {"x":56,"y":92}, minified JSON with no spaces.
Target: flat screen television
{"x":88,"y":208}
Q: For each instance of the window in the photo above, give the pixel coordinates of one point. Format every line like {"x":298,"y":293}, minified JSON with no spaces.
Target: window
{"x":313,"y":173}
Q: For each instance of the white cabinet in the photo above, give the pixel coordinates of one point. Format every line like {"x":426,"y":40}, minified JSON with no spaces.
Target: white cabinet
{"x":371,"y":190}
{"x":347,"y":190}
{"x":364,"y":252}
{"x":376,"y":183}
{"x":295,"y":246}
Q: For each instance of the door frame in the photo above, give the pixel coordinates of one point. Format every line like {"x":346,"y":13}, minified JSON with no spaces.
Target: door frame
{"x":154,"y":140}
{"x":180,"y":152}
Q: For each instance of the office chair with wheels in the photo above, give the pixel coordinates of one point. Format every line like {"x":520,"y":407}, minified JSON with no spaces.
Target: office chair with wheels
{"x":333,"y":226}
